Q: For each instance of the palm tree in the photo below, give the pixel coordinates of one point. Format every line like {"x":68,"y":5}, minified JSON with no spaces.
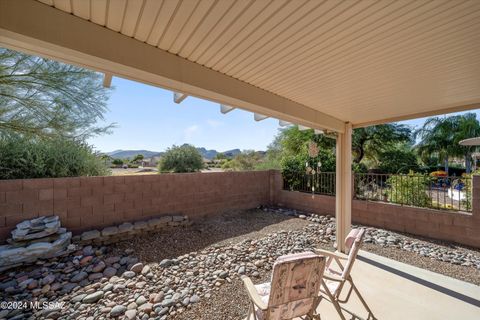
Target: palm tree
{"x":441,"y":136}
{"x":468,"y":127}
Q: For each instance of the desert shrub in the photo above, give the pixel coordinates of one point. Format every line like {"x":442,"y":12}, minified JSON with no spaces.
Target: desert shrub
{"x":24,"y":158}
{"x":185,"y":158}
{"x":117,"y":162}
{"x":409,"y":190}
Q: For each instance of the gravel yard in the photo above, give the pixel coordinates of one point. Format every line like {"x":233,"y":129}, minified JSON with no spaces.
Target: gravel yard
{"x":193,"y":273}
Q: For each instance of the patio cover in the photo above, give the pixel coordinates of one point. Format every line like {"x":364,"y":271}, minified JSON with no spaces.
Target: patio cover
{"x":329,"y":65}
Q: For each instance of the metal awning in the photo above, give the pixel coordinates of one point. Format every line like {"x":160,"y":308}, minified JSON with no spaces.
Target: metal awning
{"x":329,"y":62}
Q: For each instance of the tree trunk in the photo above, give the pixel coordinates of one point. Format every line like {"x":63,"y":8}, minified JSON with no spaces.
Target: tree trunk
{"x":468,"y":164}
{"x":446,"y":165}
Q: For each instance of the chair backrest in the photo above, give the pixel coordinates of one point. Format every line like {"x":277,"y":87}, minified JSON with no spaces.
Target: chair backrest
{"x":352,"y":243}
{"x":295,"y":285}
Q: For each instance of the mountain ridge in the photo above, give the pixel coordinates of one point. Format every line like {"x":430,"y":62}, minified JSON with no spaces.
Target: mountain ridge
{"x":206,"y":153}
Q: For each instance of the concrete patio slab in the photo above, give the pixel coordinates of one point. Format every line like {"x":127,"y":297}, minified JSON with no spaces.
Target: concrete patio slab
{"x":396,"y":290}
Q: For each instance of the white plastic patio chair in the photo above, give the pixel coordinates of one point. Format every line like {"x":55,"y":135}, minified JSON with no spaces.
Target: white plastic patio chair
{"x":293,"y":291}
{"x":333,"y":281}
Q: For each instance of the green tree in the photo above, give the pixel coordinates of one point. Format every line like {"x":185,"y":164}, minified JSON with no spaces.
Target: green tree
{"x":398,"y":159}
{"x":290,"y":147}
{"x":137,"y":158}
{"x":244,"y":161}
{"x":440,"y":137}
{"x":45,"y":98}
{"x":105,"y":158}
{"x":369,"y":142}
{"x":23,"y":157}
{"x":220,"y":156}
{"x":117,"y":162}
{"x":185,"y":158}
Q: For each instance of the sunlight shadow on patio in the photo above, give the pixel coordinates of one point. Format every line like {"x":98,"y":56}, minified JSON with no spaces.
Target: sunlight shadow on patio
{"x":395,"y":290}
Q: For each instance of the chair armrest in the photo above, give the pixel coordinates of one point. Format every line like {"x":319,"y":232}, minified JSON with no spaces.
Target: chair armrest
{"x":332,"y":277}
{"x":253,"y":294}
{"x":327,"y":253}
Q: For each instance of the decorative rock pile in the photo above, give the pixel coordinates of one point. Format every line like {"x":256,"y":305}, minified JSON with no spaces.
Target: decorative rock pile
{"x":92,"y":283}
{"x":33,"y":239}
{"x":129,"y":230}
{"x":391,"y":239}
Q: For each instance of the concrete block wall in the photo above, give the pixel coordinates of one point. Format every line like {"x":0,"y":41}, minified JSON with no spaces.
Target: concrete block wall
{"x":85,"y":203}
{"x":459,"y":227}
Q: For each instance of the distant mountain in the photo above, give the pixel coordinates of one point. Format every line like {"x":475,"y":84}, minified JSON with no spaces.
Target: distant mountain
{"x":232,"y":153}
{"x":207,"y":154}
{"x":124,"y":154}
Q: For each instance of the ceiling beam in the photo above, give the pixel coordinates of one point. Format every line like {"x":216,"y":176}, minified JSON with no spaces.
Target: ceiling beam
{"x":303,"y":128}
{"x":282,"y":123}
{"x":259,"y":117}
{"x":225,"y":109}
{"x":179,"y":97}
{"x":107,"y":80}
{"x":457,"y":108}
{"x":32,"y":27}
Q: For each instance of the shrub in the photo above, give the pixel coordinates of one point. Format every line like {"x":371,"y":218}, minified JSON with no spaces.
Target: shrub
{"x":185,"y":158}
{"x":397,"y":160}
{"x":24,"y":158}
{"x":117,"y":162}
{"x":409,"y":189}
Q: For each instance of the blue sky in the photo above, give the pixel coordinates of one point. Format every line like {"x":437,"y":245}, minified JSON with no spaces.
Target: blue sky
{"x":147,"y":118}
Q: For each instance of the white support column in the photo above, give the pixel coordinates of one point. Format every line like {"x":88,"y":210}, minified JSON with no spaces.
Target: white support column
{"x":343,"y":207}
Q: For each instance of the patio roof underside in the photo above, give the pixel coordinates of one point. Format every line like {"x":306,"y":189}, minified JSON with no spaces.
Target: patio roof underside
{"x":316,"y":63}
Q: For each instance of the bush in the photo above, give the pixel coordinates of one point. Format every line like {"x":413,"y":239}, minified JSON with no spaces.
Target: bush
{"x":117,"y":162}
{"x":409,"y":190}
{"x":185,"y":158}
{"x":246,"y":160}
{"x":26,"y":158}
{"x":399,"y":160}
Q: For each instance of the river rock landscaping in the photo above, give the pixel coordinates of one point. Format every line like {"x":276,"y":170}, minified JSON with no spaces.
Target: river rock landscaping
{"x":193,"y":272}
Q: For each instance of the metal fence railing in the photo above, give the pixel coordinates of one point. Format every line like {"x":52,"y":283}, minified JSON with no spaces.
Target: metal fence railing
{"x":443,"y":193}
{"x":318,"y":183}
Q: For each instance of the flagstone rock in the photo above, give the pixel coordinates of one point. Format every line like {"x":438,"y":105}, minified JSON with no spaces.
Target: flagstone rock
{"x":90,"y":235}
{"x":125,"y":227}
{"x":39,"y":238}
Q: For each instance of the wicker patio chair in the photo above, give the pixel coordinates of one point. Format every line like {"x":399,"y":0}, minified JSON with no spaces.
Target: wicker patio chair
{"x":333,"y":281}
{"x":293,"y":291}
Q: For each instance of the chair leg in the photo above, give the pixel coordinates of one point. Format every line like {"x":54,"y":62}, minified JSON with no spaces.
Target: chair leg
{"x":251,"y":313}
{"x":334,"y":301}
{"x":370,"y":313}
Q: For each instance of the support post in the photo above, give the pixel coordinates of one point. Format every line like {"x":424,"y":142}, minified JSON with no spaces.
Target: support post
{"x":343,"y":205}
{"x":107,"y":80}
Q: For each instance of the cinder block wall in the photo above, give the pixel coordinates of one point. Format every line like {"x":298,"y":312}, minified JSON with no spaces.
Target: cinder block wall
{"x":91,"y":202}
{"x":459,"y":227}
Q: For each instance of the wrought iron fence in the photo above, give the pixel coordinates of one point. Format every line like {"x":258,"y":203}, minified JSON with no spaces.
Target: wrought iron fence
{"x":318,"y":183}
{"x":443,"y":193}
